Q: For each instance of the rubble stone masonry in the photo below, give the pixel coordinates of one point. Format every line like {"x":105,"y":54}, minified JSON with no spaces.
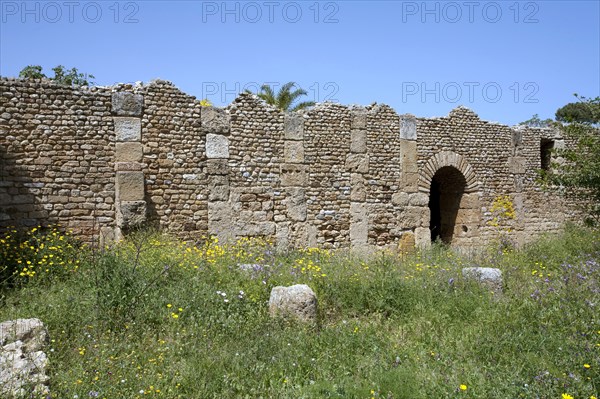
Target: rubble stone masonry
{"x":102,"y":161}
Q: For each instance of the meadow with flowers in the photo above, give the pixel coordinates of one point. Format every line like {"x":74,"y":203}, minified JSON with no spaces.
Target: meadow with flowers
{"x":155,"y":317}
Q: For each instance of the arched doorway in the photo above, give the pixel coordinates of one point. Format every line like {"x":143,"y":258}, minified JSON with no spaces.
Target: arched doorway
{"x":446,"y":192}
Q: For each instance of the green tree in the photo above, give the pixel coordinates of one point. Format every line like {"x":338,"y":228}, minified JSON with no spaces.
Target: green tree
{"x":582,"y":111}
{"x":578,"y":170}
{"x":286,"y":98}
{"x":535,"y":121}
{"x":63,"y":76}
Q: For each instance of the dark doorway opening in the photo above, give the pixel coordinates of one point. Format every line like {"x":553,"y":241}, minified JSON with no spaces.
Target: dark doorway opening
{"x":546,"y":147}
{"x":447,"y":188}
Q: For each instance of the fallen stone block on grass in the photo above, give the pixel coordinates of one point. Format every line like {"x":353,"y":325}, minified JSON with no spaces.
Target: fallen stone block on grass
{"x":22,"y":359}
{"x":489,"y":277}
{"x":297,"y":301}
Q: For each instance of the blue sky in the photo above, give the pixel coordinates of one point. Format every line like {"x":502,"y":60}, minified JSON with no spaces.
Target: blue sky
{"x":506,"y":60}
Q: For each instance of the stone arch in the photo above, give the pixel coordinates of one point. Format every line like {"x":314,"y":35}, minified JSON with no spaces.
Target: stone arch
{"x":448,"y":158}
{"x":454,"y":205}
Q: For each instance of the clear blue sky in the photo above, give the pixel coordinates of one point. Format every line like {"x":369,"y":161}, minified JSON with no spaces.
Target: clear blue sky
{"x":506,"y":60}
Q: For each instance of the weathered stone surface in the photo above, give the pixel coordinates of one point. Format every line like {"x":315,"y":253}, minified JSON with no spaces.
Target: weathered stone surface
{"x":358,"y":141}
{"x":218,"y":188}
{"x":357,"y":163}
{"x":129,"y":152}
{"x":408,"y":127}
{"x":293,"y":126}
{"x":487,"y":276}
{"x":408,"y":156}
{"x":22,"y":359}
{"x":128,"y":129}
{"x":127,"y":104}
{"x":296,"y":204}
{"x":407,"y":242}
{"x":130,"y":186}
{"x":217,"y":146}
{"x":293,"y":151}
{"x":215,"y":120}
{"x":293,"y":175}
{"x":297,"y":301}
{"x":217,"y":167}
{"x":131,"y":214}
{"x":400,"y":198}
{"x":517,"y":165}
{"x":359,"y":224}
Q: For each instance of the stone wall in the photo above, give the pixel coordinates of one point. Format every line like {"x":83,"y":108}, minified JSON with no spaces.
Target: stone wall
{"x":105,"y":160}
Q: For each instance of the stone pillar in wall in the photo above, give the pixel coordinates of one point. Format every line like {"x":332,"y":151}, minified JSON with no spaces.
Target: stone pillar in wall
{"x":215,"y":124}
{"x":414,"y":216}
{"x":357,"y":163}
{"x":130,"y":202}
{"x":294,"y":180}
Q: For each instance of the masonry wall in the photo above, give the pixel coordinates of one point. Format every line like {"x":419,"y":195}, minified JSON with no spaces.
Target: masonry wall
{"x":106,"y":160}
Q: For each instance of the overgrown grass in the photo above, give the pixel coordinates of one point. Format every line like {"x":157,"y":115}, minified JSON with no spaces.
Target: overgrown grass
{"x":155,"y":317}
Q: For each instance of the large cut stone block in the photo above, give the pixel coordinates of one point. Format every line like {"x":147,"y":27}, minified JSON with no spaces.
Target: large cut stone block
{"x":129,"y":152}
{"x":517,"y":165}
{"x":297,"y":301}
{"x":218,"y":188}
{"x":215,"y":120}
{"x":220,"y":220}
{"x":293,"y":127}
{"x":359,"y":224}
{"x":131,"y":214}
{"x":486,"y":276}
{"x":358,"y":185}
{"x":130,"y":186}
{"x":358,"y":141}
{"x":293,"y":175}
{"x":128,"y":129}
{"x":217,"y":146}
{"x":410,"y":182}
{"x":357,"y":163}
{"x":359,"y":119}
{"x":127,"y":104}
{"x":217,"y":167}
{"x":408,"y":156}
{"x":293,"y":151}
{"x":408,"y":127}
{"x":296,"y":204}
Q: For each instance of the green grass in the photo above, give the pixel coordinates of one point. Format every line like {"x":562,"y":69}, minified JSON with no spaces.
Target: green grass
{"x":149,"y":318}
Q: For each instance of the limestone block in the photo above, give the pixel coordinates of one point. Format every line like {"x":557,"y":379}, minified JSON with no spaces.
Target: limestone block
{"x":293,"y":151}
{"x":217,"y":146}
{"x":215,"y":120}
{"x":357,"y":163}
{"x":422,"y":237}
{"x":419,"y":199}
{"x":296,"y":204}
{"x":128,"y":166}
{"x":470,"y":201}
{"x":359,"y":224}
{"x":359,"y":119}
{"x":486,"y":276}
{"x":358,"y":185}
{"x":127,"y":104}
{"x":358,"y":141}
{"x":130,"y":186}
{"x":407,"y":242}
{"x":217,"y":167}
{"x":127,"y":128}
{"x":408,"y":156}
{"x":131,"y":214}
{"x":218,"y":188}
{"x":297,"y":301}
{"x":413,"y":216}
{"x":257,"y":229}
{"x":409,"y":182}
{"x":293,"y":127}
{"x":408,"y":127}
{"x":22,"y":360}
{"x":517,"y":165}
{"x":293,"y":175}
{"x":282,"y":235}
{"x":400,"y":198}
{"x":221,"y":220}
{"x":129,"y":152}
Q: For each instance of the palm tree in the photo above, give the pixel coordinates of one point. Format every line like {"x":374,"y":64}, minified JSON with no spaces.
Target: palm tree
{"x":285,"y":98}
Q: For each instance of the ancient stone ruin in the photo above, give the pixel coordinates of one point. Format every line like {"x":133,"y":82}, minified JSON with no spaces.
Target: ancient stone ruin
{"x":102,"y":161}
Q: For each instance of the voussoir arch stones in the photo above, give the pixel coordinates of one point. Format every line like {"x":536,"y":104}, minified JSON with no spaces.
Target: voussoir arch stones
{"x":448,"y":158}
